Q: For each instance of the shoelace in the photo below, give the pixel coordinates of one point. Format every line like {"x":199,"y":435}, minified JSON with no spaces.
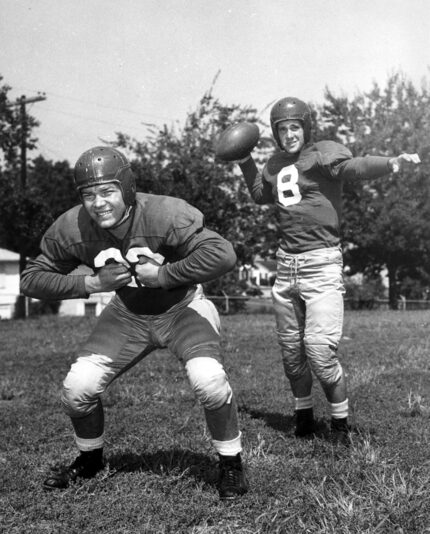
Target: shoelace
{"x":294,"y":268}
{"x":231,"y":475}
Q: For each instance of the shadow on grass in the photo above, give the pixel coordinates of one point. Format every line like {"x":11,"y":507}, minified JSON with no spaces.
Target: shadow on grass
{"x":284,"y":423}
{"x":181,"y":462}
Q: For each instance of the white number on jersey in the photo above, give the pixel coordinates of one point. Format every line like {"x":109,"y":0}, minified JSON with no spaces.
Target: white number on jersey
{"x":109,"y":254}
{"x":134,"y":253}
{"x":132,"y":257}
{"x":287,"y":184}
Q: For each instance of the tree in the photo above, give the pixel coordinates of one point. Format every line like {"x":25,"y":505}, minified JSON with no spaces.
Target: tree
{"x":26,"y":214}
{"x":24,"y":218}
{"x":179,"y":161}
{"x":22,"y":212}
{"x":27,"y":211}
{"x":12,"y":131}
{"x":386,"y":222}
{"x":54,"y":182}
{"x":28,"y":201}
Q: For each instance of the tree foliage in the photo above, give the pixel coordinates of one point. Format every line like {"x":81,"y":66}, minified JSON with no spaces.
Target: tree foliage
{"x":24,"y":218}
{"x":386,"y":221}
{"x":21,"y":213}
{"x":53,"y":181}
{"x":180,"y":162}
{"x":27,"y":213}
{"x":27,"y":210}
{"x":11,"y":130}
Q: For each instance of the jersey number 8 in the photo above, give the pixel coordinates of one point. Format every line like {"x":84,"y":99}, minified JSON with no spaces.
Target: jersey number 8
{"x":287,"y":184}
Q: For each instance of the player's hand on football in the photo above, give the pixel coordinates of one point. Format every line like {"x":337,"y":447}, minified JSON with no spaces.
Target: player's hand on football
{"x":108,"y":278}
{"x":404,"y":161}
{"x":147,"y":274}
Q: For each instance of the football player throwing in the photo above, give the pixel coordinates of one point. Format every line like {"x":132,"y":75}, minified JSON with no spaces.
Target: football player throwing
{"x":304,"y":181}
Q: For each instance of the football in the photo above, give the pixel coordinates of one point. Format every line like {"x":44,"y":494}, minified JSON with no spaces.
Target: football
{"x":237,"y":141}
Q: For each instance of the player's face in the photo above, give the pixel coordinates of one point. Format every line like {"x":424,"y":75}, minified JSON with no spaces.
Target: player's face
{"x":291,"y":135}
{"x":104,"y":204}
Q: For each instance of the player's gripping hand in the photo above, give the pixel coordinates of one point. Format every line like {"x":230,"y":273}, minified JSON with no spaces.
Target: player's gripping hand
{"x":403,"y":161}
{"x":147,"y":273}
{"x":108,"y":278}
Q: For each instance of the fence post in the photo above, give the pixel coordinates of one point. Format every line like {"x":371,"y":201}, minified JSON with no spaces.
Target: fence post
{"x":227,"y":307}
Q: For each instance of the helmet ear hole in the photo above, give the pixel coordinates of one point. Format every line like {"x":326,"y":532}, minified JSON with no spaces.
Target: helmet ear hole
{"x":101,"y":165}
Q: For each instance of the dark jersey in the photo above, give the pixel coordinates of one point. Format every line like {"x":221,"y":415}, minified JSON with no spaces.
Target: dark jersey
{"x":307,"y":189}
{"x":164,"y":229}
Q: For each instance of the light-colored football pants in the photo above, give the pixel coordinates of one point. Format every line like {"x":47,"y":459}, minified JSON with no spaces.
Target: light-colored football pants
{"x":121,"y":338}
{"x":308,"y":302}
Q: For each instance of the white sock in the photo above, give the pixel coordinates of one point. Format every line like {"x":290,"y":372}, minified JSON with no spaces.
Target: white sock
{"x":86,"y":445}
{"x":228,"y":448}
{"x":304,"y":403}
{"x":339,"y":410}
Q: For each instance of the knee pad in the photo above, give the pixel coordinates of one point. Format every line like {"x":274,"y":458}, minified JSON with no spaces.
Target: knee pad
{"x":84,"y":384}
{"x":324,"y":363}
{"x":209,"y":382}
{"x":294,"y":359}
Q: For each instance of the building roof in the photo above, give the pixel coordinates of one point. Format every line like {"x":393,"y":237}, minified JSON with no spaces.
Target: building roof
{"x":8,"y":255}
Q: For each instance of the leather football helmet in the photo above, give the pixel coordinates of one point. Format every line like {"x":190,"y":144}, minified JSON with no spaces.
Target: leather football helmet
{"x":290,"y":108}
{"x":103,"y":164}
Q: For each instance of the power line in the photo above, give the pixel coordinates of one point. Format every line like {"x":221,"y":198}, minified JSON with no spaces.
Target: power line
{"x":92,"y":103}
{"x":93,"y":119}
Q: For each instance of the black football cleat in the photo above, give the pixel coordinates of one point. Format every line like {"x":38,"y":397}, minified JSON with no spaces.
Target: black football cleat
{"x":340,"y":432}
{"x":86,"y":465}
{"x":232,"y":481}
{"x":305,"y":423}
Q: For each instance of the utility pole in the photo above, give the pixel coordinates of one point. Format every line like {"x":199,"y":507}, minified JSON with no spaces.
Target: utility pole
{"x":21,"y":102}
{"x":22,"y":302}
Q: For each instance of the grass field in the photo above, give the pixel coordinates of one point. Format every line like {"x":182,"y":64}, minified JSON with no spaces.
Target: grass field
{"x":161,"y":470}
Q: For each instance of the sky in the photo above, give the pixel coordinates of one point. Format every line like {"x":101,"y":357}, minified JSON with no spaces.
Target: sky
{"x":110,"y":66}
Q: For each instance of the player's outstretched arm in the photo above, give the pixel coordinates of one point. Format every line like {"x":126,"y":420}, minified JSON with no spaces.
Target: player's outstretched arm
{"x":403,"y":161}
{"x":370,"y":167}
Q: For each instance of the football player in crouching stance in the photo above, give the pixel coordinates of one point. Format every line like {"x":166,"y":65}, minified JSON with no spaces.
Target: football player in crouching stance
{"x":304,"y":181}
{"x":153,"y":251}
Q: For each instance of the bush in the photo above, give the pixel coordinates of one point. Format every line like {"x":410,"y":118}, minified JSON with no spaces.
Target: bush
{"x":363,"y":294}
{"x":44,"y":307}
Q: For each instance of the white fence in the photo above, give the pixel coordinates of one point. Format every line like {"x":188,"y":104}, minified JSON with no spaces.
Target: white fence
{"x":229,"y":304}
{"x":264,"y":305}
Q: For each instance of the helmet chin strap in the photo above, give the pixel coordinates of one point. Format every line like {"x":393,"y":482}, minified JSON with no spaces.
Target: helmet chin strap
{"x":123,"y":218}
